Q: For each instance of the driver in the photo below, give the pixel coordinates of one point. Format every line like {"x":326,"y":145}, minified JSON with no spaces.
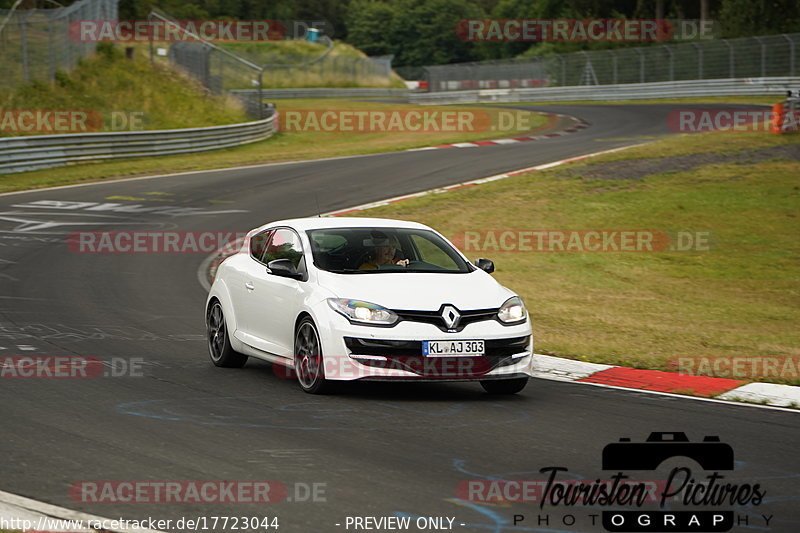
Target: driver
{"x":384,"y":252}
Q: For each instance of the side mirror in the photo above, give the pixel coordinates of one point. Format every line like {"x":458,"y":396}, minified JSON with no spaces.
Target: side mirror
{"x":283,"y":268}
{"x":485,"y":264}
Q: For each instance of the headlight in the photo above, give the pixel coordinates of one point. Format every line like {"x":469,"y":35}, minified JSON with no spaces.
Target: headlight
{"x":363,"y":312}
{"x":512,"y":311}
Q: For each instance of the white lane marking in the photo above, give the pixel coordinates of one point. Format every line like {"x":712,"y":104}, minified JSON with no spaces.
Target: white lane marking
{"x":172,"y":210}
{"x":37,"y":225}
{"x":19,"y":506}
{"x":28,"y":225}
{"x":487,"y":179}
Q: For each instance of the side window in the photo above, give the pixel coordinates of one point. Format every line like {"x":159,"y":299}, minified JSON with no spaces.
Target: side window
{"x":284,"y":244}
{"x":432,"y":254}
{"x":258,"y":243}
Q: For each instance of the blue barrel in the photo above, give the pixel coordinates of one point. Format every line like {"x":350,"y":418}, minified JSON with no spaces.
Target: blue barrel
{"x":312,"y":35}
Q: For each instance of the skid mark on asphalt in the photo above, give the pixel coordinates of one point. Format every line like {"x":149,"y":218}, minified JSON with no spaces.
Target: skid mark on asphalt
{"x":451,"y":411}
{"x":291,"y":457}
{"x":255,"y":412}
{"x":756,"y":517}
{"x":57,"y":217}
{"x":85,"y":332}
{"x":498,"y":523}
{"x":170,"y":210}
{"x":460,"y":466}
{"x":36,"y":223}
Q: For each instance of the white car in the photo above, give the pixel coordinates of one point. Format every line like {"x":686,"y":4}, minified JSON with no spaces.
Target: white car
{"x":340,"y":299}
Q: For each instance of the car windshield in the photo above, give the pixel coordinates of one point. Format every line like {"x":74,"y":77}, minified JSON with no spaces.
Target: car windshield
{"x":384,"y":250}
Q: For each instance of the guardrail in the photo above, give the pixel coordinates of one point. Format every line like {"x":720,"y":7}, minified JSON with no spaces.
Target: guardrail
{"x":326,"y":92}
{"x":630,"y":91}
{"x":20,"y":154}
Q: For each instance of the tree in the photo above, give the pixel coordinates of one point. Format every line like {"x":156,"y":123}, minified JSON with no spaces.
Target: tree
{"x":369,"y":24}
{"x":424,"y":32}
{"x":744,"y":18}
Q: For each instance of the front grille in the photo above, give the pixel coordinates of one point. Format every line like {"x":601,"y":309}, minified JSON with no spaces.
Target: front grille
{"x":407,"y":355}
{"x":435,"y":317}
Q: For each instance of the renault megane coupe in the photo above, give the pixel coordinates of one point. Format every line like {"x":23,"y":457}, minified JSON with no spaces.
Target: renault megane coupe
{"x":343,"y":299}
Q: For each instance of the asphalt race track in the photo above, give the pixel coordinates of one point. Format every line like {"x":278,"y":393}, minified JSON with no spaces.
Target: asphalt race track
{"x":372,"y":450}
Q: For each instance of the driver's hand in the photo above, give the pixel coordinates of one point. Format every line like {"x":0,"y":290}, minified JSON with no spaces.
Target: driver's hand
{"x":403,"y":262}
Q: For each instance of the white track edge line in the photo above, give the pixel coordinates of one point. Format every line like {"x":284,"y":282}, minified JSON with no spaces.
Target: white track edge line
{"x":60,"y":513}
{"x":677,"y":396}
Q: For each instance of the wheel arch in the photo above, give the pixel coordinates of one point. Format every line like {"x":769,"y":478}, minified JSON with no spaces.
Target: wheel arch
{"x":220,"y":293}
{"x":300,"y":316}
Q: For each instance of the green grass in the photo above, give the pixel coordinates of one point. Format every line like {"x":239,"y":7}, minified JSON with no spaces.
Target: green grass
{"x":647,"y":309}
{"x":108,"y":83}
{"x":339,"y":68}
{"x":336,"y":70}
{"x":284,"y":146}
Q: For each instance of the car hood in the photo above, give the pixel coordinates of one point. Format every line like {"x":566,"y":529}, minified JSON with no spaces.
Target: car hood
{"x":419,"y":291}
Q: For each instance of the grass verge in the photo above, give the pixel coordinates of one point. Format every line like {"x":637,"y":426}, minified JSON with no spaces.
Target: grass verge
{"x":340,"y":68}
{"x":763,"y":100}
{"x":117,"y":89}
{"x":288,"y":146}
{"x":737,"y":299}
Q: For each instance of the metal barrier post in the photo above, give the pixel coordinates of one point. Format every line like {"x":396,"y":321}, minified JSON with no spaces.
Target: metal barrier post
{"x":791,"y":53}
{"x":24,"y":51}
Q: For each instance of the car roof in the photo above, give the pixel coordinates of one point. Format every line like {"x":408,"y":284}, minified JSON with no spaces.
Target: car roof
{"x":310,"y":223}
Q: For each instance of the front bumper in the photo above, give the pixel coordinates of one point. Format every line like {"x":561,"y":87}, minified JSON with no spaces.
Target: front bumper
{"x":357,"y":352}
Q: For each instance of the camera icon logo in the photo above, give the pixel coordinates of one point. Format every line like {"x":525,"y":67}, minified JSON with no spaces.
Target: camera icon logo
{"x":710,"y":454}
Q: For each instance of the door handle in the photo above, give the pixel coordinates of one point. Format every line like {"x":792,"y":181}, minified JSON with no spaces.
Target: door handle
{"x":249,"y":285}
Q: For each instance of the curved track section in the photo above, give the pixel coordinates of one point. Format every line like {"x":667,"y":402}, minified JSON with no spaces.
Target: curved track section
{"x":379,"y":450}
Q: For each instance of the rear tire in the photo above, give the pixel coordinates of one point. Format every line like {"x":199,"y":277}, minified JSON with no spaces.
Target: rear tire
{"x":504,"y":386}
{"x":308,"y":362}
{"x":219,"y":345}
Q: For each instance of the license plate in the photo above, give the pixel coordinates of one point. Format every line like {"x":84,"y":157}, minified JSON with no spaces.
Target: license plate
{"x":452,"y":348}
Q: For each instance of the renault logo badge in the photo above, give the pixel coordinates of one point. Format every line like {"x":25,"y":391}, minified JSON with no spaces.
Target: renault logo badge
{"x":451,"y":316}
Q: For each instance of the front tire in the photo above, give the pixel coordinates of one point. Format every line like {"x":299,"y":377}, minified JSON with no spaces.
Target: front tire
{"x":308,"y":362}
{"x":219,"y":345}
{"x":504,"y":386}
